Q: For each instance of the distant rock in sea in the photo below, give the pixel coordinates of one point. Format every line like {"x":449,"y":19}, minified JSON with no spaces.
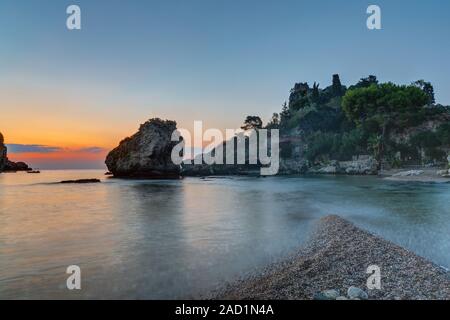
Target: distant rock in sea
{"x":146,"y":154}
{"x":7,"y":165}
{"x":16,"y":166}
{"x":81,"y":181}
{"x":3,"y":150}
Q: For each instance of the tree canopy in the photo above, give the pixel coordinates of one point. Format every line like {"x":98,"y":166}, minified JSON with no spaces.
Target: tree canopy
{"x":383,"y":100}
{"x":367,"y":118}
{"x":252,"y":122}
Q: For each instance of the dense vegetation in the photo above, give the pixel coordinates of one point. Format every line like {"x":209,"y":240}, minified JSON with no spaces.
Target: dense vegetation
{"x":384,"y":120}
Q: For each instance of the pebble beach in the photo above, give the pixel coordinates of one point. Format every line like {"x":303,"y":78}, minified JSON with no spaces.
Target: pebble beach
{"x":335,"y":260}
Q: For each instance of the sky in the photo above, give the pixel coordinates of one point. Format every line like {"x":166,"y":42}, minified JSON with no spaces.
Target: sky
{"x":67,"y":97}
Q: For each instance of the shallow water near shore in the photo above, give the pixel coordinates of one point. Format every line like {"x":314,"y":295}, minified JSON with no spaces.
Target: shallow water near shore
{"x":180,"y":238}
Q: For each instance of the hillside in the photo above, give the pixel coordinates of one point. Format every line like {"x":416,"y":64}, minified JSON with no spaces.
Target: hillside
{"x":395,"y":125}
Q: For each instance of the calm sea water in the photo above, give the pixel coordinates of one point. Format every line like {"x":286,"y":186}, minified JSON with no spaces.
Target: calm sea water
{"x":177,"y":239}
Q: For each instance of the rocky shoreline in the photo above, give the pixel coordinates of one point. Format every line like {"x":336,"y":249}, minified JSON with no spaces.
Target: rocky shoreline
{"x":7,"y":165}
{"x":335,"y":260}
{"x":424,"y":175}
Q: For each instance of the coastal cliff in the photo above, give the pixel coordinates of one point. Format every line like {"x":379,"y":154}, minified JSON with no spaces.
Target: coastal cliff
{"x":147,"y":153}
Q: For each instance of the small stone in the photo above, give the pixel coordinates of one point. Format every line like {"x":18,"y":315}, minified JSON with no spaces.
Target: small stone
{"x":327,"y":295}
{"x":357,"y":293}
{"x":341,"y":298}
{"x":332,"y":294}
{"x":319,"y":296}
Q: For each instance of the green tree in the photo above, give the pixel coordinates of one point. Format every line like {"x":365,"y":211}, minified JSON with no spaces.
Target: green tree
{"x":427,"y":88}
{"x":315,"y":96}
{"x":285,"y":115}
{"x":274,"y":122}
{"x":384,"y":101}
{"x":252,"y":122}
{"x":376,"y":145}
{"x":365,"y":82}
{"x":383,"y":106}
{"x":337,"y":86}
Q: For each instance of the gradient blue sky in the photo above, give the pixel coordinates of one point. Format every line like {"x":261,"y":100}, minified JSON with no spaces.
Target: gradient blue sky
{"x":216,"y":61}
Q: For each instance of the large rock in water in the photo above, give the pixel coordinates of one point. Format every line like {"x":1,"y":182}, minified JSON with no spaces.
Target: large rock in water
{"x":146,"y":154}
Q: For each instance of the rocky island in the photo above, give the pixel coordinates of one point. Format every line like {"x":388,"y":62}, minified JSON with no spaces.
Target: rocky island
{"x":146,"y":154}
{"x":362,"y":129}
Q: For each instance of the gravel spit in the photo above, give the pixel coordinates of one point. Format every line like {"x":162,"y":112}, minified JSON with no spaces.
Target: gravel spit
{"x":337,"y":257}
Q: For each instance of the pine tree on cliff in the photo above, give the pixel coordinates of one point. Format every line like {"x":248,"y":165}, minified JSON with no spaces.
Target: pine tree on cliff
{"x":285,"y":114}
{"x":315,"y":93}
{"x":252,"y":122}
{"x":337,"y":86}
{"x":426,"y":87}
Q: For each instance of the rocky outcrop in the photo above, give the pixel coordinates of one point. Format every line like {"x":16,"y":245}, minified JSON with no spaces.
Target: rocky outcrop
{"x":445,"y":173}
{"x":410,"y":173}
{"x":201,"y":170}
{"x":16,"y":166}
{"x":7,"y":165}
{"x":363,"y":165}
{"x":146,"y":154}
{"x":404,"y":135}
{"x":81,"y":181}
{"x":359,"y":166}
{"x":293,"y":166}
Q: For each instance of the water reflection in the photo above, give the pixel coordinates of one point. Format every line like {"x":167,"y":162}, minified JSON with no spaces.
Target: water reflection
{"x":175,"y":239}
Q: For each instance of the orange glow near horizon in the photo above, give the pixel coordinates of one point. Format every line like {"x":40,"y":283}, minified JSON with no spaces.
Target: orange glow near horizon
{"x":72,"y":121}
{"x":60,"y":155}
{"x":61,"y":159}
{"x":57,"y":116}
